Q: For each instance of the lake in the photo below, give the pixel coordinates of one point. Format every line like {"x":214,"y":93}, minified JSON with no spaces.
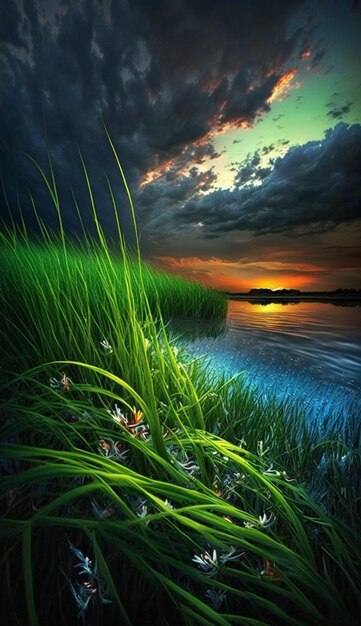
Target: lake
{"x":305,"y":352}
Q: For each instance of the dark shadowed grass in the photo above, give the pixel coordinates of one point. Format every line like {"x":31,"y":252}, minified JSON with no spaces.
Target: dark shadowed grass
{"x":136,"y":488}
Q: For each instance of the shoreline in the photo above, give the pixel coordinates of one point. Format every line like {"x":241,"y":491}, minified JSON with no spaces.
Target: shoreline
{"x":294,"y":299}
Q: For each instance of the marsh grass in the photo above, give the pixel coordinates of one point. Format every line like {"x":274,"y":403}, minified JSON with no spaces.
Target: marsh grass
{"x":138,"y":489}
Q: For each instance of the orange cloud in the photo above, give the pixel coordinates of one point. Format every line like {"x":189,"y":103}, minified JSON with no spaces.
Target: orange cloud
{"x":282,"y":87}
{"x":232,"y":125}
{"x":153,"y":174}
{"x":243,"y":275}
{"x":218,"y":127}
{"x":177,"y":163}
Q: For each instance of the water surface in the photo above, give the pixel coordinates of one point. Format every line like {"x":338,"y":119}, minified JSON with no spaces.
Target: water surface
{"x":306,"y":352}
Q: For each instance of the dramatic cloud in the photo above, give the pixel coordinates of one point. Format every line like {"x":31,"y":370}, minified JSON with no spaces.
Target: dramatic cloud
{"x":164,"y":76}
{"x":311,"y":189}
{"x":236,"y":263}
{"x":184,"y":87}
{"x":250,"y":171}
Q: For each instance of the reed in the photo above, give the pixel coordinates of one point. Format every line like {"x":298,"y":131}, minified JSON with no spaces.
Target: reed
{"x":138,"y":487}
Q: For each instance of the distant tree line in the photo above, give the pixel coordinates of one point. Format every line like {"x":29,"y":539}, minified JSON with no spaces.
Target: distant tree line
{"x":297,"y":292}
{"x":277,"y":292}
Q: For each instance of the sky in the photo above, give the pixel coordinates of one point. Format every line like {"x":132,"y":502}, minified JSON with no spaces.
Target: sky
{"x":237,"y":123}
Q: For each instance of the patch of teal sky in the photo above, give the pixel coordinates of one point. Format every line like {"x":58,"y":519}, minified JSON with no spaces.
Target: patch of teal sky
{"x":302,"y":113}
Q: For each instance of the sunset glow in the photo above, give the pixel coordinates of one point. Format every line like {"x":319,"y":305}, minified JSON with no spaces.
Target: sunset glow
{"x":234,"y":277}
{"x":282,"y":87}
{"x":239,"y":133}
{"x":180,"y":297}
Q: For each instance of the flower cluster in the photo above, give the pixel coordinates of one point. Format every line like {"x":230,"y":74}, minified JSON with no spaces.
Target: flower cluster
{"x":210,"y":562}
{"x":113,"y":449}
{"x":61,"y":384}
{"x":184,"y":460}
{"x":207,"y":562}
{"x":134,"y":424}
{"x":264,"y":521}
{"x":89,"y":586}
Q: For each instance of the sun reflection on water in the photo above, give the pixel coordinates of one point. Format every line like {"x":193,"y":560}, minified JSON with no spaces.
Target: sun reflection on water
{"x":308,"y":351}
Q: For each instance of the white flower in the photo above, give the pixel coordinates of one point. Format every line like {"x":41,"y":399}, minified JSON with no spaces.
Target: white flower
{"x":207,"y":562}
{"x":184,"y":460}
{"x":210,"y":562}
{"x":106,"y":346}
{"x":63,"y":384}
{"x":140,"y":507}
{"x":265,"y":521}
{"x":191,"y":467}
{"x":117,"y":415}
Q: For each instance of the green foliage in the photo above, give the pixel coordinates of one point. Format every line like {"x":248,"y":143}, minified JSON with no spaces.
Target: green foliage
{"x":135,"y":484}
{"x":65,"y":302}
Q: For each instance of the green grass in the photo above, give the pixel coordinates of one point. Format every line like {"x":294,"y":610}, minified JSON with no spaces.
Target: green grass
{"x":271,"y":503}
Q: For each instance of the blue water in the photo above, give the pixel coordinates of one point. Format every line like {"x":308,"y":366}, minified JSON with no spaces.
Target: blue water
{"x":308,"y":353}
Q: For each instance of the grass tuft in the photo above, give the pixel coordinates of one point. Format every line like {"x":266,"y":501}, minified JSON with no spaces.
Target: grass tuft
{"x":134,"y":483}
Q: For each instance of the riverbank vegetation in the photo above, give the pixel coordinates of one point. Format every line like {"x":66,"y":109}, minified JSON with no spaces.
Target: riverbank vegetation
{"x":137,"y":486}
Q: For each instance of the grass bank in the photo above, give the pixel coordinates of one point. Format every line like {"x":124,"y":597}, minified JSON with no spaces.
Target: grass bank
{"x":134,"y":485}
{"x":60,"y":303}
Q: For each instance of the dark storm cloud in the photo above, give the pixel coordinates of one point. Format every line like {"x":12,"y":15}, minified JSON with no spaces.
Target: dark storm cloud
{"x":251,"y":171}
{"x":162,"y":75}
{"x":10,"y":26}
{"x":313,"y":188}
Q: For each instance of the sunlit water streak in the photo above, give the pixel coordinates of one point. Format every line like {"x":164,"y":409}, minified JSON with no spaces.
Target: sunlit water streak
{"x":308,"y":352}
